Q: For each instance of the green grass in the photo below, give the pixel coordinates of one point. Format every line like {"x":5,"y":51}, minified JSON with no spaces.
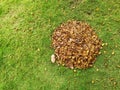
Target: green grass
{"x":26,"y":27}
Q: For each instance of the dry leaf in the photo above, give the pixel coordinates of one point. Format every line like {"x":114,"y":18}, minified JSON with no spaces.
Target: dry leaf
{"x":76,"y":44}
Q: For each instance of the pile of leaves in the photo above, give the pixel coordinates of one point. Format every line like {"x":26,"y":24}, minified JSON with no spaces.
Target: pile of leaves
{"x":76,"y":45}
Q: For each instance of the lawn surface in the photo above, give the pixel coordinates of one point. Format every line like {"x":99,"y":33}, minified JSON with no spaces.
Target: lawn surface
{"x":26,"y":27}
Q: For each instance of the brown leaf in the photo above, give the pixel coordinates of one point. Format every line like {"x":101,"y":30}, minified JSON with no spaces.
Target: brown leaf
{"x":76,"y":44}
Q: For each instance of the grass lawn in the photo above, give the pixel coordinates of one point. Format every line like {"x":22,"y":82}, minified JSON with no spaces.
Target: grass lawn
{"x":26,"y":27}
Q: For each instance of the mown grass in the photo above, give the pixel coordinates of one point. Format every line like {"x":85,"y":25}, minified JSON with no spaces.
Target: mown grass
{"x":26,"y":27}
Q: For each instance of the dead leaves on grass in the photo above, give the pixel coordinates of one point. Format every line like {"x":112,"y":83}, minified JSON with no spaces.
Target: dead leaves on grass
{"x":76,"y":44}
